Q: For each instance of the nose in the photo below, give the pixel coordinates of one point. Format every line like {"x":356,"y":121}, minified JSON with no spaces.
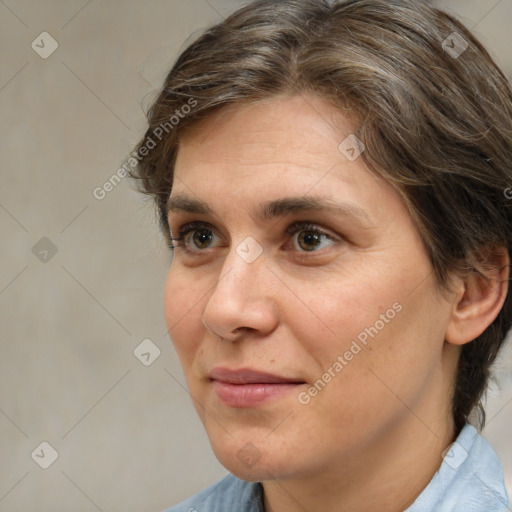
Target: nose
{"x":241,"y":301}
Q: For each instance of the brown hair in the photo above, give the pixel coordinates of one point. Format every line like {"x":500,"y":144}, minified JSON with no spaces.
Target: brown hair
{"x":434,"y":111}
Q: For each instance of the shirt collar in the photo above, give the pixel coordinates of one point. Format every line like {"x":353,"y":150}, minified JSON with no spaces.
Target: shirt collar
{"x":470,"y":479}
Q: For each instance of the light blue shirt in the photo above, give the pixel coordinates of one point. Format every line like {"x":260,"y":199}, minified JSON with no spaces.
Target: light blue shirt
{"x":470,"y":479}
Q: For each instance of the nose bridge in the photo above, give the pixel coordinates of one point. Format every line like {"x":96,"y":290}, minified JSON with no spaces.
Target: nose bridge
{"x":241,"y":273}
{"x":240,"y":298}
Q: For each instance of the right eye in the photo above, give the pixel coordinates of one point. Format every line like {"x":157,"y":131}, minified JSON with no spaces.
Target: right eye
{"x":193,"y":237}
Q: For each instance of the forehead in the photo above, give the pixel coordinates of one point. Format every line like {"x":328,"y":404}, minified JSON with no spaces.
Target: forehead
{"x":282,"y":147}
{"x":289,"y":127}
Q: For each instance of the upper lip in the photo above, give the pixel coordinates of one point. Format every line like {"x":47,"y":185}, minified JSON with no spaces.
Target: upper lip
{"x":248,"y":376}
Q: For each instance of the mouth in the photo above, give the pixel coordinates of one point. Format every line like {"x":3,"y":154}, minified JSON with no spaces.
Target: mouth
{"x":247,"y":387}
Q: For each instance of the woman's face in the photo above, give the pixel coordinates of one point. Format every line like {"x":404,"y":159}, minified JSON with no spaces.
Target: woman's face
{"x":306,"y":266}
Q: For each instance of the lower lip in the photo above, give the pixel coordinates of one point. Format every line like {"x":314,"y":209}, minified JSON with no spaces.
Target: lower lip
{"x":249,"y":395}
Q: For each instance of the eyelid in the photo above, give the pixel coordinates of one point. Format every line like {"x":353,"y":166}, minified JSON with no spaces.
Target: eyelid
{"x":189,"y":226}
{"x":308,"y":226}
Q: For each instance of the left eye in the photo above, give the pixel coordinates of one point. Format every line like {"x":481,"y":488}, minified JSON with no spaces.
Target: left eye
{"x":309,"y":238}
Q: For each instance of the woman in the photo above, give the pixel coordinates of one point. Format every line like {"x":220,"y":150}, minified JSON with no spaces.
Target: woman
{"x":331,"y":179}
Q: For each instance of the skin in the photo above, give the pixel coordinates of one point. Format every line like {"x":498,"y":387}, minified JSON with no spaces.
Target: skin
{"x":373,"y":437}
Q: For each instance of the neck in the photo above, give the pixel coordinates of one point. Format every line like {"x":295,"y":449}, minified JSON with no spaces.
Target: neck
{"x":388,"y":476}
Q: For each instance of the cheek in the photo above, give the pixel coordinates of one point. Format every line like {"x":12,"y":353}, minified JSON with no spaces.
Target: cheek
{"x":374,"y":317}
{"x":339,"y":310}
{"x":385,"y":345}
{"x":182,"y":310}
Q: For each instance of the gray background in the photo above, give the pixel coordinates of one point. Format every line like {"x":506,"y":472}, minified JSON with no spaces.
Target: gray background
{"x":126,"y":434}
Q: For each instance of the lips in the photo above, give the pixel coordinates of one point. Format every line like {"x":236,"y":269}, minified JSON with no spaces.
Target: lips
{"x":247,"y":387}
{"x":248,"y":376}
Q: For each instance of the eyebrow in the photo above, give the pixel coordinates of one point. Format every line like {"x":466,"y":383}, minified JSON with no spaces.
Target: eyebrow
{"x":275,"y":208}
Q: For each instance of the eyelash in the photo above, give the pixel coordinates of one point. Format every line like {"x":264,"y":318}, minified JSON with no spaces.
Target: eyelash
{"x":293,"y":229}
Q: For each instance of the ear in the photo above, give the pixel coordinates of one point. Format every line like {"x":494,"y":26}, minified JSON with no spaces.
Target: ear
{"x":479,"y":299}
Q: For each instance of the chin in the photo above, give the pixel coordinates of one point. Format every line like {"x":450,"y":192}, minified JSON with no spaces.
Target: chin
{"x":247,"y":463}
{"x":253,"y":463}
{"x":251,"y":475}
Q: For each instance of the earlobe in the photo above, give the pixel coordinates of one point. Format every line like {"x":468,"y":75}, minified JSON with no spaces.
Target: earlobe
{"x":479,"y":299}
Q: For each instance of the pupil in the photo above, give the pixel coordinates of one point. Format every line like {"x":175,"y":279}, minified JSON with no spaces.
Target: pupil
{"x":202,"y":237}
{"x":310,"y":239}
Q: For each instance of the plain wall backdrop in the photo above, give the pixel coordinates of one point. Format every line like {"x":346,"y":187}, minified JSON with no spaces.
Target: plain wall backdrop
{"x":83,"y":264}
